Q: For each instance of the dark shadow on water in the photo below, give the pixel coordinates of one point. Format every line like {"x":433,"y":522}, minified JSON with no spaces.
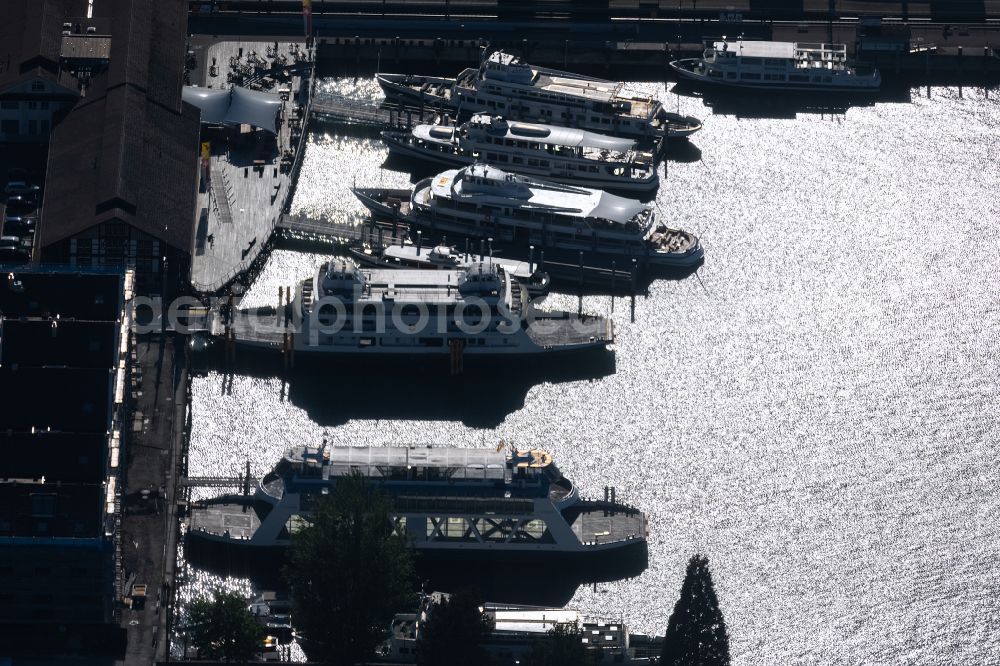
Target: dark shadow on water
{"x":501,"y":577}
{"x":787,"y":104}
{"x":335,"y":392}
{"x":684,"y":152}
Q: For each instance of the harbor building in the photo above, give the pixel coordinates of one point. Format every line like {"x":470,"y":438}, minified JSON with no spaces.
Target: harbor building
{"x":122,"y":177}
{"x":35,"y":90}
{"x":65,"y":350}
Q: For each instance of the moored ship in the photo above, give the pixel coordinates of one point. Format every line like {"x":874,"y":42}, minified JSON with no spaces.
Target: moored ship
{"x":474,"y":506}
{"x":479,"y":311}
{"x":561,"y":154}
{"x":777,"y":66}
{"x":483,"y":201}
{"x":504,"y":84}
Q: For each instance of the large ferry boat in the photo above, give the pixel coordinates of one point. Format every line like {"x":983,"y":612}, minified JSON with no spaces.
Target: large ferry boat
{"x":473,"y":506}
{"x":477,"y":311}
{"x":778,"y":66}
{"x":504,"y":84}
{"x":483,"y":201}
{"x":561,"y":154}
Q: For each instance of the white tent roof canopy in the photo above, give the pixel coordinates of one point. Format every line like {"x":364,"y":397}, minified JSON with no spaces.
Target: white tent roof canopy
{"x":235,"y":107}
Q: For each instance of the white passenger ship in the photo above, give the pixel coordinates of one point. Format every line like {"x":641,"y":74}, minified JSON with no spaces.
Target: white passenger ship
{"x":474,"y":505}
{"x":503,"y":84}
{"x":777,"y":66}
{"x":483,"y":201}
{"x":565,"y":155}
{"x":478,"y":311}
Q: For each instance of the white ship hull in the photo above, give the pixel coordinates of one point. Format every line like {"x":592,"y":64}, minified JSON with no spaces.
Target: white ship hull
{"x":464,"y":158}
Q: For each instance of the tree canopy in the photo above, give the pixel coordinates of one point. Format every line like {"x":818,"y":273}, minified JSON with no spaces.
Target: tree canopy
{"x":348,"y":572}
{"x":696,"y":632}
{"x":454,"y":631}
{"x":563,"y":647}
{"x":222,"y":628}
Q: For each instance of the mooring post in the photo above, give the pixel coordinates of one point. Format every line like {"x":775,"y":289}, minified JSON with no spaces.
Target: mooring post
{"x":531,"y":259}
{"x":613,"y":275}
{"x":420,"y":236}
{"x":633,"y":290}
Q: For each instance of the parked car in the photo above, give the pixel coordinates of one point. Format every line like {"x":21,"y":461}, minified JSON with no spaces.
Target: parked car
{"x":21,"y":187}
{"x":18,"y":226}
{"x":9,"y":243}
{"x":22,"y":202}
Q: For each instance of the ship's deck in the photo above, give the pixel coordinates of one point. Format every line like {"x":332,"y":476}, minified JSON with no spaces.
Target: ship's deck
{"x":595,"y":526}
{"x":559,"y":329}
{"x":233,"y":519}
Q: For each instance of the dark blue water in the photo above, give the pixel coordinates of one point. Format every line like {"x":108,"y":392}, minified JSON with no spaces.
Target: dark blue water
{"x":815,"y":411}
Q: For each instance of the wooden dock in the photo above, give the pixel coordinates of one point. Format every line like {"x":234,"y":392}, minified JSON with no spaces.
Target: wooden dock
{"x":325,"y":231}
{"x":350,"y":111}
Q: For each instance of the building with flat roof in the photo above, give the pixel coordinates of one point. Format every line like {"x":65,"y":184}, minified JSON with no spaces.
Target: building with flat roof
{"x":65,"y":349}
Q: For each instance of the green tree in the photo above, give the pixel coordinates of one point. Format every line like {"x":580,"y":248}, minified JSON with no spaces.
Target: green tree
{"x":563,"y":647}
{"x":223,"y":628}
{"x":348,"y":572}
{"x":455,"y":631}
{"x":696,"y":632}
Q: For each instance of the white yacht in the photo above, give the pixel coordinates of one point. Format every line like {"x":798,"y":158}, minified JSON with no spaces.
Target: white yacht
{"x":565,"y":155}
{"x":503,"y":84}
{"x":474,"y":505}
{"x":777,"y":66}
{"x":483,"y":201}
{"x":477,"y":311}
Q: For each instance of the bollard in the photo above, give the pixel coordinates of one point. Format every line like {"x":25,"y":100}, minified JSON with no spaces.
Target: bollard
{"x":633,"y":291}
{"x":613,"y":274}
{"x":531,"y":259}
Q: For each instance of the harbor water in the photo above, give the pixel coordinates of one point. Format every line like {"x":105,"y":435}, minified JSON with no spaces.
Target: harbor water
{"x":815,"y":410}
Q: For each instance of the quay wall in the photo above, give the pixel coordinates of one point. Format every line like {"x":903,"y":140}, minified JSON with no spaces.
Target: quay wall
{"x":630,"y":49}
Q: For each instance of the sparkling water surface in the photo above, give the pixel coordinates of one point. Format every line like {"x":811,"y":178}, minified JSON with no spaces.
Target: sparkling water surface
{"x":815,"y":410}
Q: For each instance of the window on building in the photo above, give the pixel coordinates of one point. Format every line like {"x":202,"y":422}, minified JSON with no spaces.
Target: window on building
{"x":32,"y":127}
{"x":43,"y":505}
{"x":37,"y":86}
{"x":9,"y":106}
{"x":32,"y":106}
{"x":10,"y":126}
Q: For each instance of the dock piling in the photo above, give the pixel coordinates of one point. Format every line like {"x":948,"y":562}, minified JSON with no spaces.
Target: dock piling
{"x":531,"y":259}
{"x":633,"y":290}
{"x":614,"y":273}
{"x":579,"y":286}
